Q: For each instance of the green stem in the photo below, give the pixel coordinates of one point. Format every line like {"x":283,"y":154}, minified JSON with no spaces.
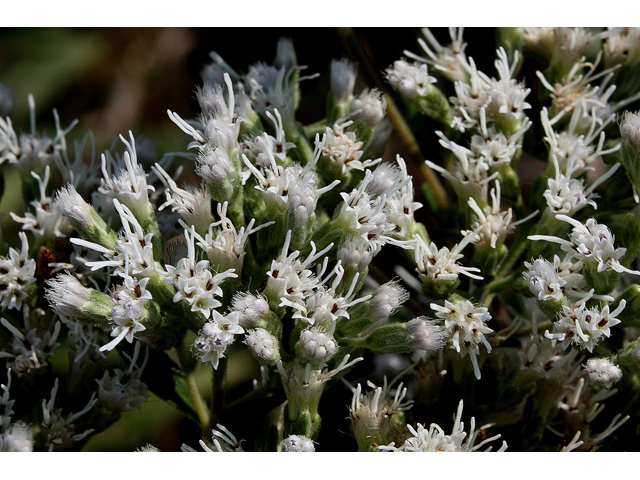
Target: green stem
{"x":198,"y":402}
{"x":219,"y":384}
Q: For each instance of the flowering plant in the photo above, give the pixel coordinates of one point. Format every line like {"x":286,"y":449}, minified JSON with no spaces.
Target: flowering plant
{"x":301,"y":253}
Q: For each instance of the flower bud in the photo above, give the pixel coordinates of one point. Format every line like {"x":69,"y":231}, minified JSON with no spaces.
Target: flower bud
{"x":369,"y":107}
{"x":220,"y":133}
{"x":263,"y":346}
{"x":603,"y":372}
{"x":285,"y":54}
{"x":417,"y":334}
{"x":70,"y":298}
{"x":317,"y":346}
{"x":298,"y":443}
{"x":211,"y":100}
{"x":343,"y":79}
{"x":252,"y":310}
{"x":82,"y":216}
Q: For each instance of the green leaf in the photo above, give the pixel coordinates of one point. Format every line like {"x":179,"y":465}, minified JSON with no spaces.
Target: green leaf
{"x":166,"y":380}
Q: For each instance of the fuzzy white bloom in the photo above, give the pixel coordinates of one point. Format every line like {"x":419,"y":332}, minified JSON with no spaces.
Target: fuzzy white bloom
{"x":603,"y":371}
{"x":369,"y":107}
{"x":17,"y":438}
{"x":262,"y":344}
{"x":343,"y":148}
{"x":491,"y":228}
{"x":214,"y":165}
{"x":590,"y":243}
{"x":410,"y":79}
{"x":343,"y":78}
{"x":582,"y":326}
{"x":435,"y":440}
{"x":128,"y":311}
{"x":73,"y":206}
{"x":372,"y":412}
{"x":222,"y":440}
{"x":252,"y":309}
{"x":630,"y":129}
{"x":194,"y":281}
{"x":543,"y":280}
{"x":128,"y":185}
{"x":356,"y":251}
{"x":386,"y":299}
{"x":465,"y":324}
{"x":298,"y":443}
{"x":259,"y":149}
{"x":49,"y":220}
{"x":67,"y":295}
{"x":17,"y":273}
{"x":132,"y":253}
{"x":493,"y":147}
{"x":446,"y":59}
{"x":575,"y":152}
{"x":225,"y":245}
{"x":290,"y":278}
{"x":469,"y":174}
{"x":192,"y":204}
{"x":215,"y":336}
{"x":433,"y":264}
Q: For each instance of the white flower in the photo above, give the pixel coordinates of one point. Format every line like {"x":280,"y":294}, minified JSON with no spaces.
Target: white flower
{"x":194,"y":281}
{"x":590,"y":242}
{"x":448,"y":59}
{"x":574,"y":152}
{"x":192,"y":204}
{"x":433,"y":264}
{"x":215,"y":336}
{"x":16,"y":274}
{"x":17,"y":438}
{"x":49,"y":220}
{"x":491,"y":229}
{"x":318,"y":345}
{"x":128,"y":311}
{"x":369,"y":107}
{"x":298,"y":443}
{"x":603,"y":371}
{"x":129,"y":185}
{"x":132,"y":253}
{"x":343,"y":149}
{"x":435,"y":440}
{"x":252,"y":309}
{"x":262,"y":344}
{"x":582,"y":326}
{"x":543,"y":280}
{"x":225,"y":245}
{"x":412,"y":80}
{"x":466,"y":327}
{"x":66,"y":295}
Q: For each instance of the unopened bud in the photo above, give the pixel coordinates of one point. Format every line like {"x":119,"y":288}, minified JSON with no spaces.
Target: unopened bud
{"x":369,"y":107}
{"x":220,"y":133}
{"x":263,"y":346}
{"x":386,"y":299}
{"x":417,"y":334}
{"x":253,"y":310}
{"x":343,"y":79}
{"x":317,"y":346}
{"x":84,"y":218}
{"x":285,"y":54}
{"x":70,"y":298}
{"x":602,"y":371}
